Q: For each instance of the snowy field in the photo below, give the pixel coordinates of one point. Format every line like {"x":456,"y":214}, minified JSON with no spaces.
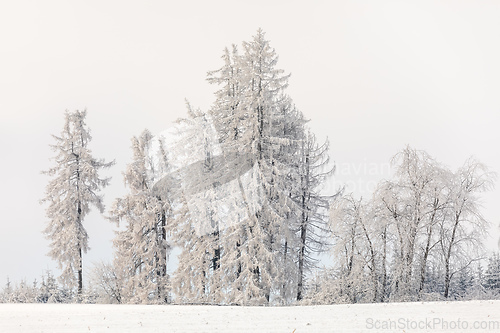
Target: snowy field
{"x":474,"y":316}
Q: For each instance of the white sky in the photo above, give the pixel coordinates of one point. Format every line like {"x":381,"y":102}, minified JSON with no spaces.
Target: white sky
{"x":373,"y":76}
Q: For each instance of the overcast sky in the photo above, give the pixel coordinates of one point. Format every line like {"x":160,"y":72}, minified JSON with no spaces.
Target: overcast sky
{"x":373,"y":76}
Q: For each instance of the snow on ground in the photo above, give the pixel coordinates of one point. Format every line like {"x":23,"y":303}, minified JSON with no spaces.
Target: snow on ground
{"x":474,"y":316}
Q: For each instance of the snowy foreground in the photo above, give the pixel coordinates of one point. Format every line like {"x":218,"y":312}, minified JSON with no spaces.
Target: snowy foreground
{"x":475,"y":316}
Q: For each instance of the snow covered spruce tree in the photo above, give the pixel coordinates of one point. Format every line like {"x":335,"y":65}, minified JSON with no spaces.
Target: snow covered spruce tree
{"x":70,"y":194}
{"x":249,"y":114}
{"x":249,"y":216}
{"x":492,"y":275}
{"x":141,"y":247}
{"x":240,"y":235}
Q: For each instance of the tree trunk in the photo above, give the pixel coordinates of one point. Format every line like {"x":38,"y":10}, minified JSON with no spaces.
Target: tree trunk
{"x":80,"y":258}
{"x":303,"y":232}
{"x":424,"y":261}
{"x":447,"y":273}
{"x":303,"y":227}
{"x":162,"y":269}
{"x":384,"y":267}
{"x":80,"y":273}
{"x":373,"y":268}
{"x":447,"y":280}
{"x":283,"y":286}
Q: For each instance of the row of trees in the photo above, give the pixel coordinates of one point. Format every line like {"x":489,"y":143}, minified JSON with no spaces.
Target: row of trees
{"x":421,"y":230}
{"x":254,"y":146}
{"x":327,"y":286}
{"x":238,"y":190}
{"x":474,"y":282}
{"x":47,"y":291}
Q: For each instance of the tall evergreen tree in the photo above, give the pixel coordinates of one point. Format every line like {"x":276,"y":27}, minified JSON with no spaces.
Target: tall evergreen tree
{"x":142,"y":247}
{"x":249,"y":113}
{"x":254,"y":213}
{"x":71,"y":192}
{"x":492,"y":274}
